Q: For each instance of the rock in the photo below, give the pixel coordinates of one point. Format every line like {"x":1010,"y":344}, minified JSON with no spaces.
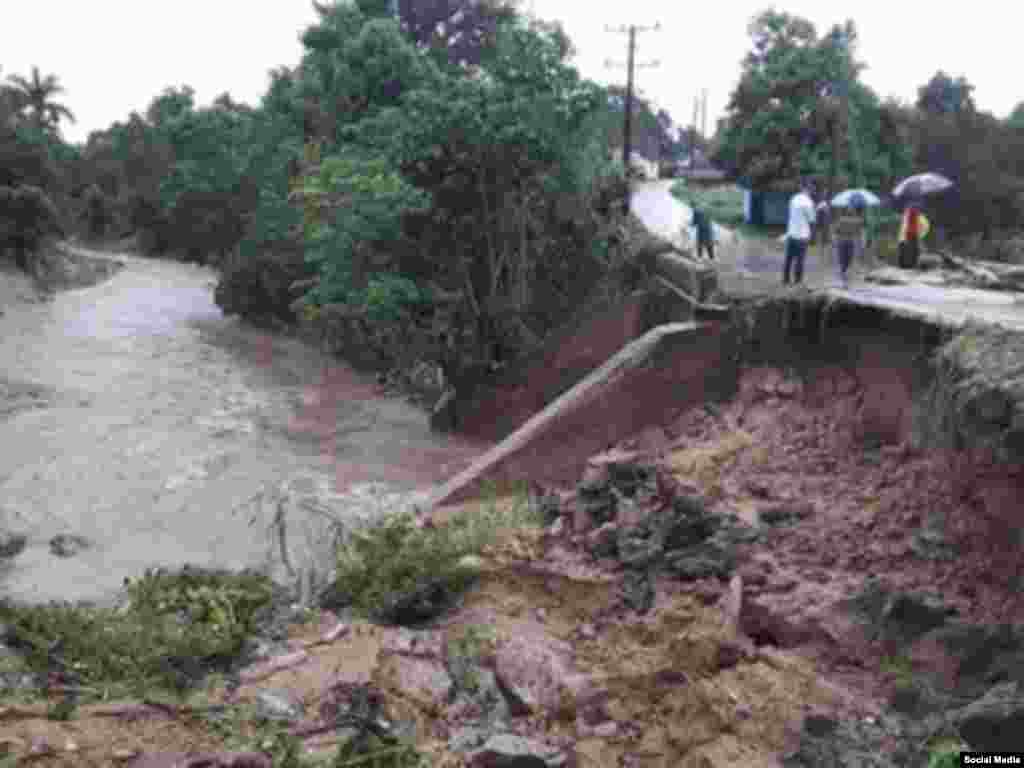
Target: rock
{"x":595,"y":481}
{"x":846,"y":743}
{"x":480,"y":697}
{"x":277,"y":705}
{"x":599,"y":509}
{"x":427,"y":602}
{"x":68,"y":545}
{"x":638,"y":590}
{"x":995,"y":722}
{"x":421,"y":678}
{"x":604,"y":541}
{"x":534,"y":671}
{"x":688,"y":523}
{"x":907,"y":616}
{"x":637,"y":548}
{"x":548,"y":507}
{"x":467,"y":738}
{"x":12,"y":544}
{"x":715,"y":557}
{"x":507,"y":750}
{"x":785,"y":513}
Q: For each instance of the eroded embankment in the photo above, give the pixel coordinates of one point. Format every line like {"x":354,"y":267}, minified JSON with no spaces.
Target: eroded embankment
{"x":880,"y":457}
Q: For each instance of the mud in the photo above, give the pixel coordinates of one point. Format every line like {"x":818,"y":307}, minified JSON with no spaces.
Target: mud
{"x":138,"y":417}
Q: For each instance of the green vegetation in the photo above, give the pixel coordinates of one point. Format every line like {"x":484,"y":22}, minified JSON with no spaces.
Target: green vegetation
{"x":723,"y":204}
{"x":175,"y":628}
{"x":798,"y":89}
{"x":397,"y":571}
{"x":466,"y":650}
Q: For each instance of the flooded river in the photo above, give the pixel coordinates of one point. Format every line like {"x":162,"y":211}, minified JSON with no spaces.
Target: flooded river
{"x":137,"y":417}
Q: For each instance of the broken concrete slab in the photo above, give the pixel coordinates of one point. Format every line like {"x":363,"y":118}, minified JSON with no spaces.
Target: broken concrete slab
{"x":671,"y":367}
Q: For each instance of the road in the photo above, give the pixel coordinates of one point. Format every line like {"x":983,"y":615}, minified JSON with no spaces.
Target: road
{"x":753,"y":266}
{"x":138,"y":417}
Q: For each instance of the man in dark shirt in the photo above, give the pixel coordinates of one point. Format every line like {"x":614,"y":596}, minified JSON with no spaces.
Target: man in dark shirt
{"x":705,"y":236}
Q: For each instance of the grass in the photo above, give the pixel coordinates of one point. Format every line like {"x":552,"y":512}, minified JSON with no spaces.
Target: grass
{"x":899,"y":667}
{"x":724,"y":204}
{"x":397,"y":571}
{"x":175,"y":628}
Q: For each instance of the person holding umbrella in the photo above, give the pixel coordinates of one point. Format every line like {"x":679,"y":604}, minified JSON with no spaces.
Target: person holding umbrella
{"x":848,"y":234}
{"x":914,"y":226}
{"x":913,"y":229}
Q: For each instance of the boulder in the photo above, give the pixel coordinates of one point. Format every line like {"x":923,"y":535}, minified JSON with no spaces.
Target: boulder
{"x":68,"y":545}
{"x":278,"y":705}
{"x":995,"y":722}
{"x":12,"y":544}
{"x":535,"y":670}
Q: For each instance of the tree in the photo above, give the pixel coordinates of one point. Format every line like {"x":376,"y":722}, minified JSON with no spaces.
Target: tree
{"x":1016,"y":118}
{"x":942,"y":95}
{"x":799,"y":109}
{"x":459,"y":33}
{"x":37,"y":95}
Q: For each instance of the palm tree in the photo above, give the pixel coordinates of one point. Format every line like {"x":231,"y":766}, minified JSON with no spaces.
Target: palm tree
{"x":36,"y":94}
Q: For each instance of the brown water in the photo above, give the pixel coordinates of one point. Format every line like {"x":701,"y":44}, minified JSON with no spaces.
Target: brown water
{"x":139,"y":417}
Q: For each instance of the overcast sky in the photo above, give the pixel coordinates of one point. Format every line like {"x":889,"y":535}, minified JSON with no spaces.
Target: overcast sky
{"x":114,"y":56}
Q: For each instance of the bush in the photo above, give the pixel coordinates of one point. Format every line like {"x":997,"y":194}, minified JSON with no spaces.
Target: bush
{"x":722,"y":204}
{"x":175,"y":627}
{"x":258,"y":286}
{"x":397,"y":572}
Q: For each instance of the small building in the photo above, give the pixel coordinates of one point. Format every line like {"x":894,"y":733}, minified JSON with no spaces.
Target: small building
{"x":766,"y":206}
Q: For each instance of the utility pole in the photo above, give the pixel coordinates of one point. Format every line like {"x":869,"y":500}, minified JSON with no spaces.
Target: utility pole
{"x":631,"y":65}
{"x":704,"y":115}
{"x":693,"y":132}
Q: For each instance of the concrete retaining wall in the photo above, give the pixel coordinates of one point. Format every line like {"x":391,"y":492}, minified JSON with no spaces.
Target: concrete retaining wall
{"x":670,"y":368}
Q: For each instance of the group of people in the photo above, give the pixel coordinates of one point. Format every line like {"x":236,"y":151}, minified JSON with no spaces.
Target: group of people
{"x":848,"y":230}
{"x":849,"y":233}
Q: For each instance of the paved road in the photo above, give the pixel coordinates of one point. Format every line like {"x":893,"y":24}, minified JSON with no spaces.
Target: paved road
{"x":753,"y":266}
{"x":137,"y":416}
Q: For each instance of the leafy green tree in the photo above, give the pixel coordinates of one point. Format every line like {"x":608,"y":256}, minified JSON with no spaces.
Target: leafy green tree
{"x":942,"y":95}
{"x":795,"y":90}
{"x":27,"y":216}
{"x":36,"y":94}
{"x":1016,"y":118}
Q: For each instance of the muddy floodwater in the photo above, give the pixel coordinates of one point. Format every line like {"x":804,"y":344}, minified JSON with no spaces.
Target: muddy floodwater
{"x":135,"y":416}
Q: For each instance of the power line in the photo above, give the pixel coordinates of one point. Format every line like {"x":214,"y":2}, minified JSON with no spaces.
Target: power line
{"x":627,"y":130}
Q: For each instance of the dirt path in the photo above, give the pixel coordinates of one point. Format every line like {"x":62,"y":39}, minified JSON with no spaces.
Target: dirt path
{"x":139,"y":418}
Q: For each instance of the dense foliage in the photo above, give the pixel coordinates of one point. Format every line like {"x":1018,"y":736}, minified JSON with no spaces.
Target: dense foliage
{"x":798,"y":90}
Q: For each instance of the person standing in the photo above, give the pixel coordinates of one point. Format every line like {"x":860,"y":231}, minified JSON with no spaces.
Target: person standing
{"x":705,"y":231}
{"x":913,"y":228}
{"x":799,"y":229}
{"x":848,"y":234}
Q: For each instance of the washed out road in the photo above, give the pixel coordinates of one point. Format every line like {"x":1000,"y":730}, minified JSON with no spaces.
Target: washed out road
{"x":754,"y":266}
{"x":134,"y":415}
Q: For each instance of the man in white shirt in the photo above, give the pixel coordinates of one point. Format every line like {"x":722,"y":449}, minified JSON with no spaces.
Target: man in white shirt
{"x":798,"y":233}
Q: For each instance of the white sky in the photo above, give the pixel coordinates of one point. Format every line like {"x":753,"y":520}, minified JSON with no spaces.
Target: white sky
{"x":114,"y":56}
